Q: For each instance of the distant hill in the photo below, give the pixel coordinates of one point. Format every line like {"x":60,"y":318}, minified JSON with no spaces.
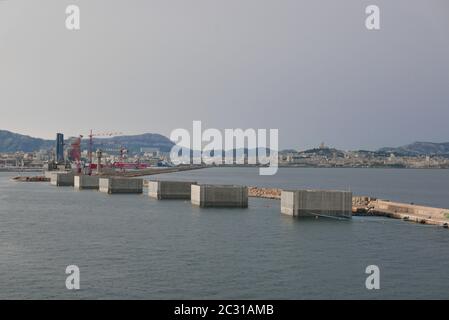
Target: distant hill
{"x":328,"y":152}
{"x":419,"y":148}
{"x":134,"y":143}
{"x":13,"y":142}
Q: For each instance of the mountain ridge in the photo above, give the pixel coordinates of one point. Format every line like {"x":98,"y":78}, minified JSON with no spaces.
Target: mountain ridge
{"x":11,"y":142}
{"x":419,"y":148}
{"x":14,"y":142}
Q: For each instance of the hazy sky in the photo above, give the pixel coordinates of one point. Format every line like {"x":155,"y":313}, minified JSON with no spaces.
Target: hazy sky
{"x":309,"y":68}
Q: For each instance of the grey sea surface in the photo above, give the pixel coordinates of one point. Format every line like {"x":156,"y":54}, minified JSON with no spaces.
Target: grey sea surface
{"x":134,"y":247}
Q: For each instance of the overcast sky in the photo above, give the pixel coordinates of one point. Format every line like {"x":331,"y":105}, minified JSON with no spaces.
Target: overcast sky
{"x":309,"y":68}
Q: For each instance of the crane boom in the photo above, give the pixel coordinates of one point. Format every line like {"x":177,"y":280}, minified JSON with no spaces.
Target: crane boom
{"x":91,"y":135}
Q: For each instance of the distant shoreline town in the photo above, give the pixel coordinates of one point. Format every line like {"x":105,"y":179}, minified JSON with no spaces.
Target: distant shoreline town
{"x":325,"y":157}
{"x":134,"y":152}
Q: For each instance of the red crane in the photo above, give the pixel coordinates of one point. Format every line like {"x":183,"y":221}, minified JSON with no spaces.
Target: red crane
{"x":91,"y":135}
{"x":75,"y":152}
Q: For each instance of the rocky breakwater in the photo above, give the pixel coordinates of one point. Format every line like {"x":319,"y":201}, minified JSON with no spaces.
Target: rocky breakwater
{"x":267,"y":193}
{"x":362,"y":205}
{"x":31,"y":179}
{"x":367,"y":206}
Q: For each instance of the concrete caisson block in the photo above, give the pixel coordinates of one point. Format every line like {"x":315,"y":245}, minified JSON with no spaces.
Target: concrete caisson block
{"x":62,"y":179}
{"x":170,"y":189}
{"x":309,"y":203}
{"x":226,"y":196}
{"x":87,"y":182}
{"x":120,"y":185}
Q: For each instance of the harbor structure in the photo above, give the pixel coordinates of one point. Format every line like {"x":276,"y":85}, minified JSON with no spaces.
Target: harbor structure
{"x":406,"y":211}
{"x":221,"y":196}
{"x":313,"y":203}
{"x":120,"y":185}
{"x":170,"y":189}
{"x":62,"y":179}
{"x":83,"y":182}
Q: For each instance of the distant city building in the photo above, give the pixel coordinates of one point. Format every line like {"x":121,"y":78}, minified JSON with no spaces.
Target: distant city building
{"x":59,"y":148}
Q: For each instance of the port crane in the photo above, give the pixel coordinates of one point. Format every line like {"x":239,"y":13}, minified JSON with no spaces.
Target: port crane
{"x":75,"y":152}
{"x":122,"y":164}
{"x":91,"y":136}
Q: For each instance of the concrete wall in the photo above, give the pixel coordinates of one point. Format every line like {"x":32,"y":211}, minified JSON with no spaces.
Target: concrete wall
{"x":311,"y":203}
{"x":288,"y":202}
{"x":410,"y":211}
{"x":219,"y":196}
{"x":121,"y":185}
{"x":170,"y":189}
{"x":87,"y":182}
{"x":62,"y":179}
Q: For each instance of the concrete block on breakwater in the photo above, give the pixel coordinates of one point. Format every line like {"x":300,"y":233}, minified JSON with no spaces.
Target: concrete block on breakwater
{"x":120,"y":185}
{"x":170,"y":189}
{"x":62,"y":179}
{"x":223,"y":196}
{"x":86,"y":182}
{"x":311,"y":203}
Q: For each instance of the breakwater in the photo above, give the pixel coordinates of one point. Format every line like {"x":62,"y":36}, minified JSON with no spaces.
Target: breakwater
{"x":366,"y":206}
{"x":361,"y":205}
{"x":153,"y":171}
{"x":370,"y":206}
{"x":31,"y":179}
{"x":267,"y":193}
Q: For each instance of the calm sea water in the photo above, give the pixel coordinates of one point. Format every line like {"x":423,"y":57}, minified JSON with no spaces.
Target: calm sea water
{"x":133,"y":247}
